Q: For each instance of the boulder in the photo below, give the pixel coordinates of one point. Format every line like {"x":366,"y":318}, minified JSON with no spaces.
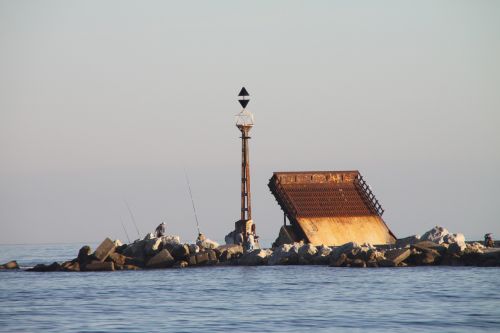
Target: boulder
{"x":84,"y":255}
{"x":202,"y":258}
{"x":172,"y":239}
{"x":451,"y":259}
{"x":455,"y":238}
{"x":120,"y":249}
{"x":306,"y":253}
{"x":456,"y":248}
{"x":118,"y":243}
{"x":193,"y":249}
{"x":97,"y":266}
{"x":430,"y":257}
{"x":46,"y":268}
{"x":74,"y":267}
{"x":151,"y":246}
{"x":436,"y":235}
{"x":338,"y":261}
{"x":135,"y":250}
{"x":231,"y":251}
{"x":348,"y":249}
{"x":161,"y":260}
{"x":192,"y":260}
{"x":322,"y":257}
{"x":208,"y":244}
{"x":358,"y":263}
{"x":139,"y":262}
{"x":212,"y":256}
{"x":474,"y":248}
{"x":407,"y":241}
{"x":149,"y":236}
{"x":180,"y":252}
{"x":70,"y":266}
{"x":10,"y":265}
{"x":118,"y":259}
{"x":255,"y":257}
{"x":397,"y":256}
{"x":104,"y":250}
{"x":429,"y":246}
{"x":286,"y":254}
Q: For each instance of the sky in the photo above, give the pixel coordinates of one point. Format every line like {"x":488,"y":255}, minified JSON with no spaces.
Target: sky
{"x":107,"y":102}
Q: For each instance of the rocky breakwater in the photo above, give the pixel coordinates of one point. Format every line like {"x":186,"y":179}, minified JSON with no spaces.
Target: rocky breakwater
{"x":436,"y":247}
{"x":148,"y":253}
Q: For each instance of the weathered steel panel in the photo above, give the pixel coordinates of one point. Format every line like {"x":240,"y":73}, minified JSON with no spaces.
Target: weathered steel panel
{"x":331,"y":207}
{"x":333,"y":231}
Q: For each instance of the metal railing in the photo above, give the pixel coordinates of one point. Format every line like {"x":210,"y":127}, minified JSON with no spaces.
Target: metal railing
{"x":366,"y":192}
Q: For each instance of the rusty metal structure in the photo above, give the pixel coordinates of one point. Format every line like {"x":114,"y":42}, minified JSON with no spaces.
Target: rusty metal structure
{"x":245,"y":122}
{"x":329,"y":207}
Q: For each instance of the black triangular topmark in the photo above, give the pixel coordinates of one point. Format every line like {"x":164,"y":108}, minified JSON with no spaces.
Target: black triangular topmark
{"x":243,"y":92}
{"x":244,"y":102}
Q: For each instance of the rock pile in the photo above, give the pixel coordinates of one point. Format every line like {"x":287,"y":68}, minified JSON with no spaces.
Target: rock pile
{"x":148,"y":253}
{"x":436,"y":247}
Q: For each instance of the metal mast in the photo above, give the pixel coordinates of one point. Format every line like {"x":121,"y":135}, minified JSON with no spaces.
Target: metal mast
{"x":244,"y":122}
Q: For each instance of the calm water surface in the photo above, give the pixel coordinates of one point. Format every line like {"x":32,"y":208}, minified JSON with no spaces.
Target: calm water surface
{"x":247,"y":299}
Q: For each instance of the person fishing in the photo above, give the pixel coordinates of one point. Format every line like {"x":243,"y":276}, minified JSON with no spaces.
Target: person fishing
{"x":160,"y":230}
{"x":201,"y":238}
{"x":488,"y":240}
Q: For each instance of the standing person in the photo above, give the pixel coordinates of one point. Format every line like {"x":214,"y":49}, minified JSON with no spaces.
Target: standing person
{"x":201,"y":238}
{"x":488,"y":240}
{"x":160,"y":230}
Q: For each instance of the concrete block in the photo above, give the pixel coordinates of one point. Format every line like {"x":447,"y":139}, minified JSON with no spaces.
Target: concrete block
{"x":104,"y":250}
{"x":212,"y":256}
{"x":397,"y":256}
{"x":202,"y":258}
{"x":10,"y":265}
{"x":100,"y":266}
{"x":162,"y":260}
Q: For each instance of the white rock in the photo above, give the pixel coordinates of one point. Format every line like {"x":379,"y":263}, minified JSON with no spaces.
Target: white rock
{"x":255,"y":257}
{"x":118,"y":243}
{"x":324,"y":251}
{"x":435,"y":235}
{"x":307,"y":251}
{"x":208,"y":244}
{"x":345,"y":248}
{"x":152,"y":245}
{"x":284,"y":254}
{"x":475,"y":247}
{"x":172,"y":240}
{"x":149,"y":236}
{"x":455,"y":238}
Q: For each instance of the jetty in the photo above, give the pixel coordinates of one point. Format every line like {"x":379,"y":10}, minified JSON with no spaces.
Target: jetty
{"x":437,"y":247}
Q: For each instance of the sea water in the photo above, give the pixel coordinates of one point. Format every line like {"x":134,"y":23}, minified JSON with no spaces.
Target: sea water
{"x":244,"y":299}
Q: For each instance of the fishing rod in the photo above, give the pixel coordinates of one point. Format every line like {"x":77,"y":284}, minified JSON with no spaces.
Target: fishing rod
{"x":124,"y":229}
{"x":192,"y":202}
{"x":133,"y":218}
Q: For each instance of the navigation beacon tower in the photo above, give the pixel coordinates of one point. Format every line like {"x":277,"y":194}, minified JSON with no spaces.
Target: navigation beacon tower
{"x":244,"y":122}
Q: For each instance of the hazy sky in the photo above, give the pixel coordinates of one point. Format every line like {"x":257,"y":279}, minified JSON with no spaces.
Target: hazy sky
{"x":102,"y":101}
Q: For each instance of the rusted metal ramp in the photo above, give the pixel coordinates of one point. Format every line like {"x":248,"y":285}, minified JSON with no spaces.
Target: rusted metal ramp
{"x":330,"y":208}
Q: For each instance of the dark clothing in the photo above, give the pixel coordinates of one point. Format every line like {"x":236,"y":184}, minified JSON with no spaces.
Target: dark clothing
{"x":160,"y":230}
